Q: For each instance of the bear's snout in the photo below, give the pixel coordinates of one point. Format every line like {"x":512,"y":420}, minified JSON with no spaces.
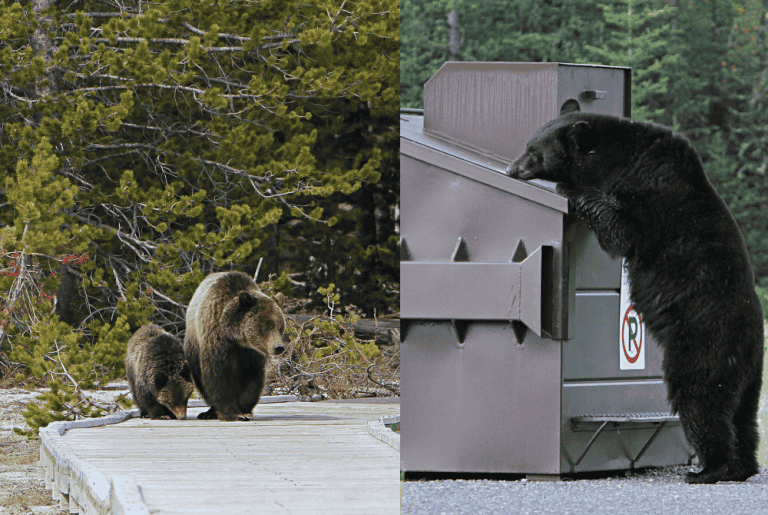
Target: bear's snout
{"x":180,"y":412}
{"x":514,"y":169}
{"x":278,"y":349}
{"x":523,"y":168}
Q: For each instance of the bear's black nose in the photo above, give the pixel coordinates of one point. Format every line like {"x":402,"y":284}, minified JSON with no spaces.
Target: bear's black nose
{"x":279,"y":349}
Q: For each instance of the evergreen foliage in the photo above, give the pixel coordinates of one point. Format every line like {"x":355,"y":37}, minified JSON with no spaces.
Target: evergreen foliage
{"x":147,"y":144}
{"x":745,"y":116}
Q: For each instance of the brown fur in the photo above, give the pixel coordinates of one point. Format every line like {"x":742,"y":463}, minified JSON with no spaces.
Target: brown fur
{"x":232,"y":328}
{"x":159,"y":376}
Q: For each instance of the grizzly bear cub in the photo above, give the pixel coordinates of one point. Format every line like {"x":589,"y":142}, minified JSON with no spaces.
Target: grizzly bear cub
{"x":232,"y":328}
{"x":158,"y":374}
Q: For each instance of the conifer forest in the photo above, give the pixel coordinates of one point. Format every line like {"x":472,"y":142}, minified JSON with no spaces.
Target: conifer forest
{"x":146,"y":144}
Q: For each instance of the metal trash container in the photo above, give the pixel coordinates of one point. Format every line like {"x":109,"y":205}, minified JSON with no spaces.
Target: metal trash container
{"x":521,"y":353}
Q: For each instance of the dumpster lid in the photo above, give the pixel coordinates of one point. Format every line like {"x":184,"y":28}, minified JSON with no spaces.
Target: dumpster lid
{"x":474,"y":163}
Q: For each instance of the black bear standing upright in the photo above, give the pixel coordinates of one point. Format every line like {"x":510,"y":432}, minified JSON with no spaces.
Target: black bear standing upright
{"x":643,"y":191}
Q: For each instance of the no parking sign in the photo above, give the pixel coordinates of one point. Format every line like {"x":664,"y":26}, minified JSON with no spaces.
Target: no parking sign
{"x":631,"y":331}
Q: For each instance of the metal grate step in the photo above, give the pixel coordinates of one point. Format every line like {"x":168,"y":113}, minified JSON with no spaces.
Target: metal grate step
{"x":626,"y":420}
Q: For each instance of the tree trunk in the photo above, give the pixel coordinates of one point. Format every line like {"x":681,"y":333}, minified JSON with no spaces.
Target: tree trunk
{"x":454,"y":42}
{"x":42,"y":45}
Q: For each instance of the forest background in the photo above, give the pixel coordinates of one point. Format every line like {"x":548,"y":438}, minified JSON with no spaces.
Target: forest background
{"x":698,"y":66}
{"x":146,"y":144}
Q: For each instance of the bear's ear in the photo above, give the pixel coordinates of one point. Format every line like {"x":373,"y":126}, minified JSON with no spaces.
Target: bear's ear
{"x":570,"y":106}
{"x":247,"y":300}
{"x":280,"y":299}
{"x":581,"y":137}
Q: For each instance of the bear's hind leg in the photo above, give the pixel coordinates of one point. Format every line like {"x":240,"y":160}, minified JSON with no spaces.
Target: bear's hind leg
{"x":747,"y":437}
{"x":709,"y":428}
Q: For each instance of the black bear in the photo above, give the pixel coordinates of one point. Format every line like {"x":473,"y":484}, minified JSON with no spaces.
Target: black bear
{"x":158,"y":374}
{"x":643,"y":191}
{"x":232,"y":328}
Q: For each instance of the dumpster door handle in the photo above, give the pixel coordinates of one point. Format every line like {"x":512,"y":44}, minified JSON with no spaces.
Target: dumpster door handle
{"x":594,"y":95}
{"x":524,"y":291}
{"x":531,"y":286}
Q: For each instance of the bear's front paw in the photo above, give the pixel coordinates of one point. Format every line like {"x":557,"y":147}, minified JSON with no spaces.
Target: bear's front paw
{"x":231,"y":416}
{"x":208,"y":415}
{"x":563,"y":188}
{"x":568,"y":190}
{"x":573,"y":194}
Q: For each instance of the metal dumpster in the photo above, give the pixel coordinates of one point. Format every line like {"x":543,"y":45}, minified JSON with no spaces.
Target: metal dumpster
{"x":521,"y":352}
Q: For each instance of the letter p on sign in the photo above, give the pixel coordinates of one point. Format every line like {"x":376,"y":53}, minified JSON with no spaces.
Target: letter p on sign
{"x":631,"y":331}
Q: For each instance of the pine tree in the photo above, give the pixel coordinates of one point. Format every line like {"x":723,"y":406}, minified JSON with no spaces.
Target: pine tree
{"x":424,"y":39}
{"x":745,"y":113}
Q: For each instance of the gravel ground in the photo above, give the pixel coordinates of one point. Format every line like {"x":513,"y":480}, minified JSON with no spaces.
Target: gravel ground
{"x":22,"y":491}
{"x":653,"y":491}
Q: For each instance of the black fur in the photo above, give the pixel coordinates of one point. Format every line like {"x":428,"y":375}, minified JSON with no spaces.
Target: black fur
{"x":642,"y":189}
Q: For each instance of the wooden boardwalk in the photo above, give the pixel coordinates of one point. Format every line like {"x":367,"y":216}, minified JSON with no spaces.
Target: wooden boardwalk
{"x":293,"y":458}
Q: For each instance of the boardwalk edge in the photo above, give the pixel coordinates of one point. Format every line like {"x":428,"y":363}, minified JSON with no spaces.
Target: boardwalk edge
{"x":77,"y":486}
{"x":80,"y":488}
{"x":379,"y":428}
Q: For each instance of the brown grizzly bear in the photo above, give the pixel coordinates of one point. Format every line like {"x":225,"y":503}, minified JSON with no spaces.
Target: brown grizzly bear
{"x":232,"y":327}
{"x":158,"y":374}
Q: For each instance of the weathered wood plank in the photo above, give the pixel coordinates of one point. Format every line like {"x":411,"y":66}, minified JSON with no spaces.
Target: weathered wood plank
{"x":294,"y":458}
